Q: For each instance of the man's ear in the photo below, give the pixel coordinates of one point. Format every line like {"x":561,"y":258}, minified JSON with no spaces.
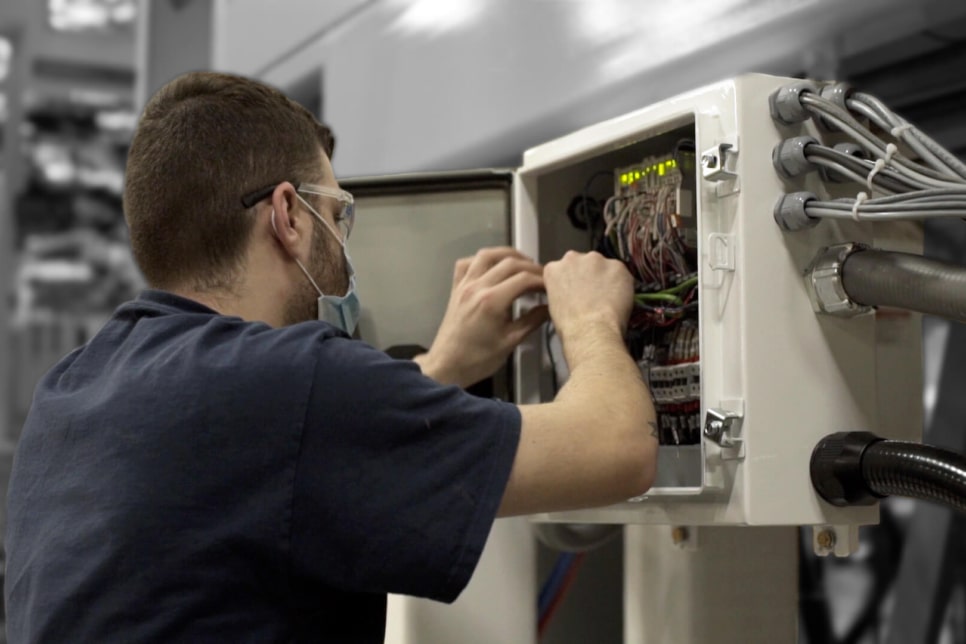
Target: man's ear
{"x":288,"y":223}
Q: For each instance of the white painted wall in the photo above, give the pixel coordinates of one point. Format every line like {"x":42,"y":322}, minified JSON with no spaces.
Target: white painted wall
{"x":441,"y":84}
{"x":251,"y":35}
{"x":172,"y":39}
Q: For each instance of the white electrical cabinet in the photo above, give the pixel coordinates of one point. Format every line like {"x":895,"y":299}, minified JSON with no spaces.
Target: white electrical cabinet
{"x":768,"y":378}
{"x":772,"y":377}
{"x":775,"y":377}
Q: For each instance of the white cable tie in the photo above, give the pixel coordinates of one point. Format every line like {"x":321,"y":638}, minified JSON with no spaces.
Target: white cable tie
{"x":890,"y":152}
{"x":900,"y":129}
{"x":876,"y":169}
{"x":860,"y":198}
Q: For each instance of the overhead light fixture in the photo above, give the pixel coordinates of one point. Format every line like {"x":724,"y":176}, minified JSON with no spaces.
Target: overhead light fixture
{"x":91,"y":15}
{"x":436,"y":17}
{"x":6,"y":58}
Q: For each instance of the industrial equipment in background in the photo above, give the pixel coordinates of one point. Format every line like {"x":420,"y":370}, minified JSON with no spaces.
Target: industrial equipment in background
{"x":73,"y":260}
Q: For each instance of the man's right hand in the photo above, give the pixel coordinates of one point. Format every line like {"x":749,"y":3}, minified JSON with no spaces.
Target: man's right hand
{"x":587,"y":292}
{"x":594,"y":444}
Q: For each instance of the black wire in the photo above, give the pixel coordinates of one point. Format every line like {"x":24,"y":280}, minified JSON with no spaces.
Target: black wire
{"x":549,"y":331}
{"x":683,"y":145}
{"x":593,"y":224}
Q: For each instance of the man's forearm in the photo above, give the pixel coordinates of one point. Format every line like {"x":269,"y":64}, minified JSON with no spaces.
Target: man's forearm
{"x":606,"y":389}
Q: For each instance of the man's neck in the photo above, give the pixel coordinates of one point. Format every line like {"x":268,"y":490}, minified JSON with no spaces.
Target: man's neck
{"x":235,"y":305}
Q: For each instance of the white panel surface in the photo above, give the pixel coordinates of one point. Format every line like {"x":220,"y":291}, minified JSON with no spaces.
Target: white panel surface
{"x":725,"y":585}
{"x":499,"y":604}
{"x":794,"y":376}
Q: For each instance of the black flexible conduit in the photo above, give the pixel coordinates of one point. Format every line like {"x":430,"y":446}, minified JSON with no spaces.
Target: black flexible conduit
{"x":884,"y":278}
{"x":917,"y":471}
{"x":858,"y":468}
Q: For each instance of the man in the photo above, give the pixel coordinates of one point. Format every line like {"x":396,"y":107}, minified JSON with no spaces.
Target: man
{"x":219,"y":465}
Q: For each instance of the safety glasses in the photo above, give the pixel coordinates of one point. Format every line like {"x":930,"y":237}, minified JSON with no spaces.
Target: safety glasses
{"x":345,"y":217}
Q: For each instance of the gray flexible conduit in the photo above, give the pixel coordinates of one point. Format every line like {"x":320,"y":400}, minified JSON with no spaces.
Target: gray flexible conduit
{"x":884,"y":278}
{"x":574,"y":537}
{"x":916,"y":471}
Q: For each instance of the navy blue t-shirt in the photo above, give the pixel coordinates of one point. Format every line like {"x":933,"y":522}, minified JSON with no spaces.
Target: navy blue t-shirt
{"x":188,"y":476}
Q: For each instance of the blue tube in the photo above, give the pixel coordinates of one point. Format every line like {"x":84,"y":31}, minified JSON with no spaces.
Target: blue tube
{"x":554,"y":580}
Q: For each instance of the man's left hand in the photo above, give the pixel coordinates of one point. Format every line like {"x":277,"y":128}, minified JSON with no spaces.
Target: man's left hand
{"x":478,"y":331}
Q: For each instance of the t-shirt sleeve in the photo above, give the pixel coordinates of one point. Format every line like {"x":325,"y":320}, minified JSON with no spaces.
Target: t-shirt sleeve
{"x":399,"y":478}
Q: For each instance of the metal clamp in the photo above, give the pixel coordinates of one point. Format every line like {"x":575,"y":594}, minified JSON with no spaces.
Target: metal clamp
{"x":823,"y":280}
{"x":714,"y":162}
{"x":722,"y":427}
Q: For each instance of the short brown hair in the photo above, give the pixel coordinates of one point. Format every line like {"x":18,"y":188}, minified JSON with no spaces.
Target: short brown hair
{"x":204,"y":140}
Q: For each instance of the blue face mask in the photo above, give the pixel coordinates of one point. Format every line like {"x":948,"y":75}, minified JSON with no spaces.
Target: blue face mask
{"x":340,"y":311}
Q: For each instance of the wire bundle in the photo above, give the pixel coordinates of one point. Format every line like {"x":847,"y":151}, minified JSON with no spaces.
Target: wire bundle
{"x":642,"y":228}
{"x":667,"y":306}
{"x":648,"y":224}
{"x":898,"y":187}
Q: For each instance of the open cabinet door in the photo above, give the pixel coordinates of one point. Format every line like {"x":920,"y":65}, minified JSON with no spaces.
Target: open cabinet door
{"x":409,"y":232}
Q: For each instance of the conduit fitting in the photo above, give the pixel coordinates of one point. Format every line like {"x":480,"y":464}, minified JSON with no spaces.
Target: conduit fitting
{"x":786,"y":105}
{"x":788,"y":157}
{"x":823,"y":281}
{"x":838,"y":93}
{"x":790,"y":212}
{"x":858,"y":468}
{"x":836,"y":469}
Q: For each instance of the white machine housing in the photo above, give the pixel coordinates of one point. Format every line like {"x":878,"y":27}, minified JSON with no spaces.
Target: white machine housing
{"x":787,"y":375}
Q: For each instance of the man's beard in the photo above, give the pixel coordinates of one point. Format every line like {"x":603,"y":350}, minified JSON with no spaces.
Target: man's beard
{"x":327,"y":266}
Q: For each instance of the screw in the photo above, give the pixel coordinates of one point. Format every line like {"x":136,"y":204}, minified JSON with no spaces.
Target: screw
{"x":714,"y":429}
{"x":709,"y":161}
{"x":825,"y":539}
{"x":679,"y":535}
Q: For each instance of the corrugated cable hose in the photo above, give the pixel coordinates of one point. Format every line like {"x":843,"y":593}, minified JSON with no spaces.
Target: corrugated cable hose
{"x":884,"y":278}
{"x":916,"y":471}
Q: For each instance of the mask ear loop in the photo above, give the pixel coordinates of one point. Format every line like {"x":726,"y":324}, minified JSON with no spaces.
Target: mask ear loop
{"x":297,"y":261}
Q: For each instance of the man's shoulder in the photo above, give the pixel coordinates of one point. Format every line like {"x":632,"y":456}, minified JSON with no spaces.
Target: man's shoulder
{"x":171,"y":352}
{"x":198,"y":335}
